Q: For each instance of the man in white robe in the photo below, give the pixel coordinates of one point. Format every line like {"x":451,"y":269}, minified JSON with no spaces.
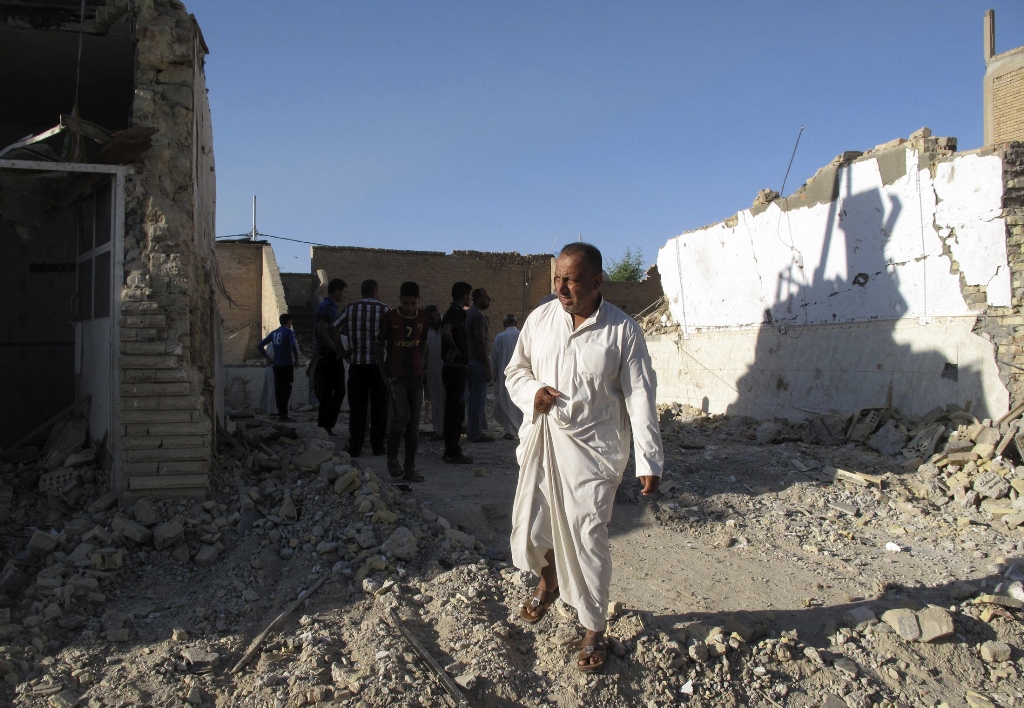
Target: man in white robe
{"x":506,"y":412}
{"x":582,"y":376}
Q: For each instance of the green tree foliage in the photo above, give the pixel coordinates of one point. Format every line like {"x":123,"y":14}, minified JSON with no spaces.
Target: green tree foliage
{"x":629,"y":268}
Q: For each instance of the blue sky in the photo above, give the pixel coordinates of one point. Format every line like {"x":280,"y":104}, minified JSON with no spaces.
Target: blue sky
{"x":519,"y":126}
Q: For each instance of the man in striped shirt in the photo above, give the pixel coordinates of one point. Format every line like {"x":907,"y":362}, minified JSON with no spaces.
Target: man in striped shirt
{"x":361,"y":323}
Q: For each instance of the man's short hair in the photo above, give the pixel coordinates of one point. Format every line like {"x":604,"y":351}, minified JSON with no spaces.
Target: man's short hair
{"x":409,"y":289}
{"x":368,"y":287}
{"x":460,"y":290}
{"x":591,"y":256}
{"x":479,"y":293}
{"x":510,"y":319}
{"x":284,"y":319}
{"x":431,"y":309}
{"x":336,"y":284}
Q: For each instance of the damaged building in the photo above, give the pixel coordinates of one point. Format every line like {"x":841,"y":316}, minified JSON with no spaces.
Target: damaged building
{"x":107,"y":197}
{"x":892,"y":276}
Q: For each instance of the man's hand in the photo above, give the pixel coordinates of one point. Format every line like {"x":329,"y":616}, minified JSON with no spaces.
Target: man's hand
{"x":544,"y":399}
{"x":650,"y":484}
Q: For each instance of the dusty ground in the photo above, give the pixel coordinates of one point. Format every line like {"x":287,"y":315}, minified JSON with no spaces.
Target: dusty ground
{"x":732,"y":588}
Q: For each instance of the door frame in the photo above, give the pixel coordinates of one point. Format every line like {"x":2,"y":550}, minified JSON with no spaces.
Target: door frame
{"x":120,"y":173}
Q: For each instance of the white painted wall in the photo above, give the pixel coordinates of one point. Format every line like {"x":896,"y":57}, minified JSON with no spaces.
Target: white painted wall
{"x":802,"y":266}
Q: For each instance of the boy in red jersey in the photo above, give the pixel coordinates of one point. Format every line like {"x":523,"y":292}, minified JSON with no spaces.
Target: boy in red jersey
{"x":404,"y":333}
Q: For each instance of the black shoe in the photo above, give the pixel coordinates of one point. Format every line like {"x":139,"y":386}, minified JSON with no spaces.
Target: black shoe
{"x":459,"y":459}
{"x":351,"y":453}
{"x":483,"y":438}
{"x":395,"y":468}
{"x":329,"y":431}
{"x":411,"y":475}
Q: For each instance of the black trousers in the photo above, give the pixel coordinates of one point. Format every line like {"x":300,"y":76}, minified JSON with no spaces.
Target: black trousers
{"x":284,"y":376}
{"x":453,"y":378}
{"x":367,"y":390}
{"x":329,"y":386}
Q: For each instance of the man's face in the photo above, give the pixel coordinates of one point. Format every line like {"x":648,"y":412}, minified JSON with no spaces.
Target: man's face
{"x":576,"y":285}
{"x":409,"y":305}
{"x":483,"y":301}
{"x":338,"y":295}
{"x":435,"y":318}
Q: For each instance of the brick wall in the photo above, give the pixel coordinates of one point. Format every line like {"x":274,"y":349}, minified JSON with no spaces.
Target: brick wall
{"x":1008,"y":106}
{"x":634,"y":298}
{"x":516,"y":283}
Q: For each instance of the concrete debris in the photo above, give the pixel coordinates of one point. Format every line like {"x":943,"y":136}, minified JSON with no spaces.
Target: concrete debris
{"x":995,"y":652}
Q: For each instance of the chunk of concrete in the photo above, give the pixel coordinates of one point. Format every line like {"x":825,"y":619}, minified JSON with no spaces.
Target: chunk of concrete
{"x":990,"y":485}
{"x":312,"y":458}
{"x":904,"y":623}
{"x":996,"y":652}
{"x":41,"y":544}
{"x":206,"y":557}
{"x":402,"y":543}
{"x":935,"y":623}
{"x":133,"y":531}
{"x":168,"y":535}
{"x":146,"y":512}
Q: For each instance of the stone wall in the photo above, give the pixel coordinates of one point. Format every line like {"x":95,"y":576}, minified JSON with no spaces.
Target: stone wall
{"x":168,"y":380}
{"x":1004,"y":326}
{"x":240,"y":267}
{"x":272,"y":297}
{"x":516,"y":283}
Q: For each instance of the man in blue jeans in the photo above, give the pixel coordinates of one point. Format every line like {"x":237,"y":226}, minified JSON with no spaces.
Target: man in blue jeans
{"x":479,"y":366}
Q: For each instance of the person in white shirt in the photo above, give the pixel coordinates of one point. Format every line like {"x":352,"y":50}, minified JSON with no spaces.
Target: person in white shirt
{"x":583,"y":378}
{"x":505,"y":411}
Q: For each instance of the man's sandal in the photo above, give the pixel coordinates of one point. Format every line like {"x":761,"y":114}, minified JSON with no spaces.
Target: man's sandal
{"x":535,"y":608}
{"x":588,"y":654}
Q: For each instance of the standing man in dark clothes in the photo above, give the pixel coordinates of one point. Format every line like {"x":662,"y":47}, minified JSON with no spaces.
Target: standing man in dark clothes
{"x":284,"y":361}
{"x":361,"y":323}
{"x":455,"y":357}
{"x":479,"y":366}
{"x":405,"y":342}
{"x":329,"y":371}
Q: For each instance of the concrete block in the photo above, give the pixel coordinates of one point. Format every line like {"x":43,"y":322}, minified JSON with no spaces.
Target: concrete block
{"x":206,"y":557}
{"x":133,"y":531}
{"x":860,"y":618}
{"x":996,"y":652}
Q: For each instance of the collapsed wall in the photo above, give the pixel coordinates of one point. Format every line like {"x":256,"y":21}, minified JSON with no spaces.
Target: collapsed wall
{"x":168,"y":379}
{"x":897,"y":267}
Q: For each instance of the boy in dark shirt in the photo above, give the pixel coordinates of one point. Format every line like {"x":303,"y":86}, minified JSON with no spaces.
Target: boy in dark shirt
{"x":404,"y":333}
{"x":286,"y":357}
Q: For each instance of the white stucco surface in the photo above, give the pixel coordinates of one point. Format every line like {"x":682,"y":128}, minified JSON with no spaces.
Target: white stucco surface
{"x":820,"y":308}
{"x":801,"y":265}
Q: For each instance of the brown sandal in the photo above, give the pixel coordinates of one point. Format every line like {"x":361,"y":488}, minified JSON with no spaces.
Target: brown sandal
{"x":537,"y":606}
{"x":594,"y":651}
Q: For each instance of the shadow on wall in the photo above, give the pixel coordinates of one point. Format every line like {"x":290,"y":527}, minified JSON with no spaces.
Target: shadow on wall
{"x":798,"y":360}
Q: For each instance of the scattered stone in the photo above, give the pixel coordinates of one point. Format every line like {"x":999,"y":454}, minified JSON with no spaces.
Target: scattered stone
{"x":466,"y":681}
{"x":401,"y":544}
{"x":990,"y":485}
{"x":996,"y":652}
{"x":179,"y":635}
{"x":312,"y":458}
{"x":146,"y":512}
{"x":888,"y":440}
{"x":962,"y":590}
{"x":904,"y":623}
{"x":41,"y":544}
{"x":847,"y":666}
{"x":200,"y":658}
{"x":206,"y":557}
{"x":860,"y":617}
{"x":935,"y":623}
{"x":168,"y":535}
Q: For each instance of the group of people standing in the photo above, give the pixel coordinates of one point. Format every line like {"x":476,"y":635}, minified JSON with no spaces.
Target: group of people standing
{"x":395,"y":357}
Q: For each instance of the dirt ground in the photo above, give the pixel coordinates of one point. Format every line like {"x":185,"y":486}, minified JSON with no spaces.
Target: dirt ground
{"x":754,"y":578}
